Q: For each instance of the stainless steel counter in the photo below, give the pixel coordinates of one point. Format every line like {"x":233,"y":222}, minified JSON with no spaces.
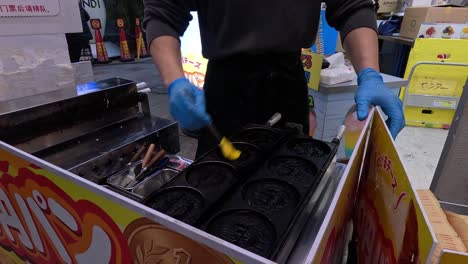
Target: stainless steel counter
{"x":398,"y":40}
{"x":58,"y":95}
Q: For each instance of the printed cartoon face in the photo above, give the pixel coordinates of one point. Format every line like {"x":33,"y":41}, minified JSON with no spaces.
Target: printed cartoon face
{"x":120,"y":23}
{"x":96,"y":23}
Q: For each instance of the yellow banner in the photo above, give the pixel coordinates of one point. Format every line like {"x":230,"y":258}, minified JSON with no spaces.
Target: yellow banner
{"x":45,"y":218}
{"x":451,"y":257}
{"x":312,"y":63}
{"x":194,"y":66}
{"x":389,"y":222}
{"x":342,"y":206}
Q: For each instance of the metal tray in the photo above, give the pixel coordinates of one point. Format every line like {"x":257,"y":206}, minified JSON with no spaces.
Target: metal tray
{"x":154,"y":182}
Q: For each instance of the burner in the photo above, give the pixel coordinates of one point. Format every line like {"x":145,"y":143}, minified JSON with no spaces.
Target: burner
{"x":270,"y":195}
{"x":209,"y":175}
{"x":294,"y":170}
{"x":260,"y":137}
{"x":308,"y":147}
{"x":184,"y":204}
{"x":249,"y":156}
{"x":246,"y":229}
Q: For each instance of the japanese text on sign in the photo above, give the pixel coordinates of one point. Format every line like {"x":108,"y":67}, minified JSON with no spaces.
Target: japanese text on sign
{"x":195,"y":64}
{"x":384,"y":162}
{"x":195,"y":76}
{"x":29,"y":8}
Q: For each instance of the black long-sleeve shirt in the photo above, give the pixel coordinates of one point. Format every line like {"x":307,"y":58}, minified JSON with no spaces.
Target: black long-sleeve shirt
{"x":229,"y":27}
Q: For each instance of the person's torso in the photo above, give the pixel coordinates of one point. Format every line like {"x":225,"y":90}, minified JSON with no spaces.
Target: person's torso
{"x":229,"y":27}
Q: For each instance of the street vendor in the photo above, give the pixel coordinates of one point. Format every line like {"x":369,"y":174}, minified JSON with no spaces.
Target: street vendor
{"x":255,"y":69}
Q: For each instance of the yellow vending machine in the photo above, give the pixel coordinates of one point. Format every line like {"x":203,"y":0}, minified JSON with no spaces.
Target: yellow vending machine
{"x":437,"y":70}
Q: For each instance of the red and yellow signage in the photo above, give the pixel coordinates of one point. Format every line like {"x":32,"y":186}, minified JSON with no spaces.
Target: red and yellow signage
{"x":312,"y":63}
{"x":340,"y":213}
{"x":389,"y":222}
{"x":140,"y":42}
{"x":45,"y":218}
{"x":43,"y":224}
{"x":125,"y":54}
{"x":101,"y":51}
{"x":194,"y":66}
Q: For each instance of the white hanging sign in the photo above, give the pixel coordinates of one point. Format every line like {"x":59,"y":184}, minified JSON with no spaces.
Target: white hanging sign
{"x":29,"y":8}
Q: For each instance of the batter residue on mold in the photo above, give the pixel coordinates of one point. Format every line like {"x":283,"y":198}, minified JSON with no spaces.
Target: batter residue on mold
{"x":293,"y":170}
{"x":271,"y":195}
{"x":308,"y":147}
{"x":181,"y":203}
{"x":210,"y":174}
{"x":245,"y":229}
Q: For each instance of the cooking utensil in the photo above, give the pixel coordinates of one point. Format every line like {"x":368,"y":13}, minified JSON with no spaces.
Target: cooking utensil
{"x":133,"y":172}
{"x":141,"y":175}
{"x":228,"y":150}
{"x":153,"y":183}
{"x":123,"y":178}
{"x":137,"y":155}
{"x":273,"y":120}
{"x":148,"y":155}
{"x":156,"y":158}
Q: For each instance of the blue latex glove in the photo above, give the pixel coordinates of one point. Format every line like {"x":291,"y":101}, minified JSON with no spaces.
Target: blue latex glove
{"x":372,"y":91}
{"x":187,"y":105}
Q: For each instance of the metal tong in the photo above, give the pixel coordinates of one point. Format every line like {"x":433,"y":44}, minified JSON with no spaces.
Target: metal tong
{"x":148,"y":161}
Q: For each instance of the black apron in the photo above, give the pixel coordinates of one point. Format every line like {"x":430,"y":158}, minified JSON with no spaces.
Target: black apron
{"x":249,"y":89}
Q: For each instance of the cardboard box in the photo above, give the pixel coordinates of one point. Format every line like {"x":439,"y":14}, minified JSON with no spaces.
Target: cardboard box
{"x":387,"y":6}
{"x":443,"y":30}
{"x":415,"y":16}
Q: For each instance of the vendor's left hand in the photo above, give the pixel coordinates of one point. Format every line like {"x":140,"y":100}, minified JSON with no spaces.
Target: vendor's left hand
{"x":372,"y":91}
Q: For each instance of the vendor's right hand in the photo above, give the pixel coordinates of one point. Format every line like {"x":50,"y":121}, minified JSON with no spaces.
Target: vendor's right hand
{"x":187,"y":105}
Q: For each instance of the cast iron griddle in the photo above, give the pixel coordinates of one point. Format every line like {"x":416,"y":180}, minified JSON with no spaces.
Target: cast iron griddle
{"x":293,"y":169}
{"x":190,"y":194}
{"x":247,"y":229}
{"x":256,"y":201}
{"x":308,"y":147}
{"x":271,"y":195}
{"x":184,"y":204}
{"x":209,"y":175}
{"x":275,"y":194}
